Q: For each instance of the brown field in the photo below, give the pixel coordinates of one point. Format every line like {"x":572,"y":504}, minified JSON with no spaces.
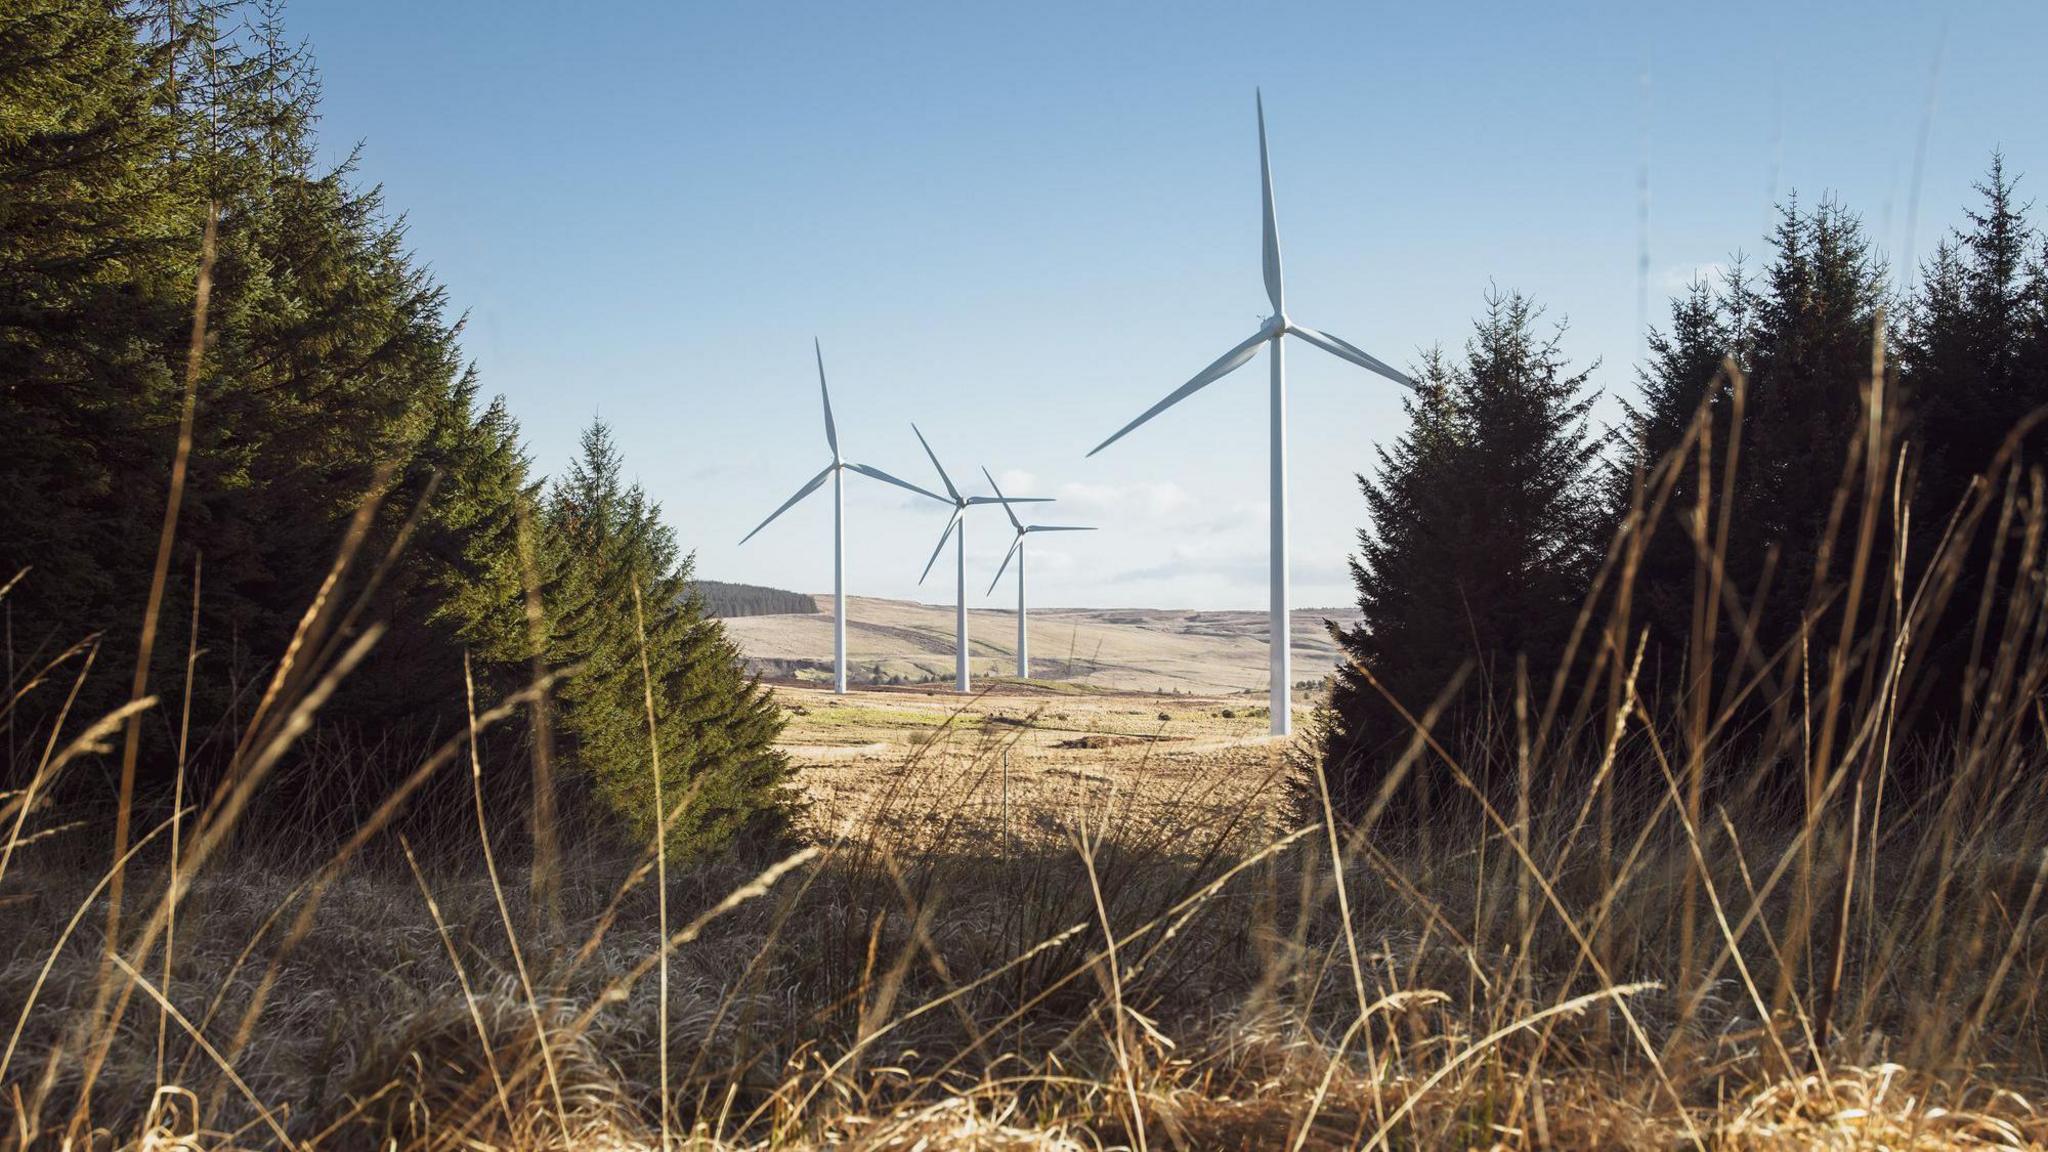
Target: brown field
{"x":1052,"y":755}
{"x":1122,"y":649}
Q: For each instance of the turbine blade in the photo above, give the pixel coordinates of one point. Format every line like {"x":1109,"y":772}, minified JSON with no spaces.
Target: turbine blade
{"x":811,"y":486}
{"x":1005,"y":566}
{"x":943,"y":478}
{"x":1003,"y":500}
{"x":1271,"y":249}
{"x":972,"y":500}
{"x":951,"y":522}
{"x":1230,"y":362}
{"x":1345,"y":350}
{"x":1057,"y":528}
{"x":831,"y":429}
{"x":875,"y":473}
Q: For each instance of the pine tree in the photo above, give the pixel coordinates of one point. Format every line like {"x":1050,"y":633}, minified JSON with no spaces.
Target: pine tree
{"x":1974,"y":353}
{"x":1802,"y":338}
{"x":1407,"y":624}
{"x":2033,"y":357}
{"x":97,"y":252}
{"x":1686,"y":381}
{"x":1817,"y":316}
{"x":459,"y":588}
{"x":1484,"y":528}
{"x":1967,"y":342}
{"x":716,"y":725}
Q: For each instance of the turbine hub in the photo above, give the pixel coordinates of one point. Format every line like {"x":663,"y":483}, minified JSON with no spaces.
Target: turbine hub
{"x":1276,"y":324}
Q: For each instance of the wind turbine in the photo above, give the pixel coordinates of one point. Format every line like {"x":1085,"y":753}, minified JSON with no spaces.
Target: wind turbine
{"x":958,"y":520}
{"x":1278,"y":325}
{"x":1017,"y":550}
{"x":836,"y":472}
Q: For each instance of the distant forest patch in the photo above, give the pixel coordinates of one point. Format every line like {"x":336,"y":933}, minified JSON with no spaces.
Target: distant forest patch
{"x":729,"y":600}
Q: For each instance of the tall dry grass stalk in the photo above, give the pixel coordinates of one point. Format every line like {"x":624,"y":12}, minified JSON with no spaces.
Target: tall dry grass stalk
{"x":145,"y":646}
{"x":660,"y":855}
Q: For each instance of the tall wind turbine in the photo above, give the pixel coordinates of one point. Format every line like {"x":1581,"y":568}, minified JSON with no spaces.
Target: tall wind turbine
{"x":958,"y":520}
{"x":1278,"y":325}
{"x":1017,"y":550}
{"x":836,"y":472}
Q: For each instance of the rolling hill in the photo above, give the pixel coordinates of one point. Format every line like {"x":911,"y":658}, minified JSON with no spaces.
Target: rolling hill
{"x":1116,"y":649}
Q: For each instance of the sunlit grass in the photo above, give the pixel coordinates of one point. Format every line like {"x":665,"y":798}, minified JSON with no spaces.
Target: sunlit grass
{"x":1118,"y":953}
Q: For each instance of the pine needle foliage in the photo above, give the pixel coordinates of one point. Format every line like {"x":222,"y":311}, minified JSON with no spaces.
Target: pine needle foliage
{"x":1484,"y":531}
{"x":716,"y":725}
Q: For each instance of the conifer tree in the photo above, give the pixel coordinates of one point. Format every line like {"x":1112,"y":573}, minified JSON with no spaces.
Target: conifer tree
{"x":97,"y":249}
{"x":1817,"y":316}
{"x":1685,"y":380}
{"x":1974,"y":364}
{"x":1802,"y":337}
{"x":716,"y":725}
{"x":1968,"y":344}
{"x":1484,"y":526}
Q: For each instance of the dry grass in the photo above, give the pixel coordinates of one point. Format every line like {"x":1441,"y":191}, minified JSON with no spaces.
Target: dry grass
{"x":1052,"y":922}
{"x":937,"y":762}
{"x":909,"y":986}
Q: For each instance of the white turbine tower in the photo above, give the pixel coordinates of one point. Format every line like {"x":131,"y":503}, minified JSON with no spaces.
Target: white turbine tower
{"x":1278,"y":325}
{"x":835,"y":472}
{"x":1017,"y":550}
{"x":958,"y":520}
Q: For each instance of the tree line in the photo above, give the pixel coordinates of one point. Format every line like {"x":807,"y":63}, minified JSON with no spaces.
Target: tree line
{"x":724,"y":600}
{"x":1498,"y":542}
{"x":330,"y":379}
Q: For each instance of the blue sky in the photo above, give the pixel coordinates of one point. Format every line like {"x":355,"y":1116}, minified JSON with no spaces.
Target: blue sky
{"x":1022,"y":224}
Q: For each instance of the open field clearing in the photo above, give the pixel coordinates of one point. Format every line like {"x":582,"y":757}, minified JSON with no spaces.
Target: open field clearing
{"x":914,"y":757}
{"x":1130,"y":650}
{"x":1159,"y":960}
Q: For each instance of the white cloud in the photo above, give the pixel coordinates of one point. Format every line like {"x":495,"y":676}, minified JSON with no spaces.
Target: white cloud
{"x":1202,"y":556}
{"x":1151,"y":498}
{"x":1017,"y":482}
{"x":1245,"y":518}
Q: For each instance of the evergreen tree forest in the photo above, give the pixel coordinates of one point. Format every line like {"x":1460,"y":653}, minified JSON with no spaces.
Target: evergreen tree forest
{"x":726,"y":600}
{"x":1709,"y":541}
{"x":157,"y":164}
